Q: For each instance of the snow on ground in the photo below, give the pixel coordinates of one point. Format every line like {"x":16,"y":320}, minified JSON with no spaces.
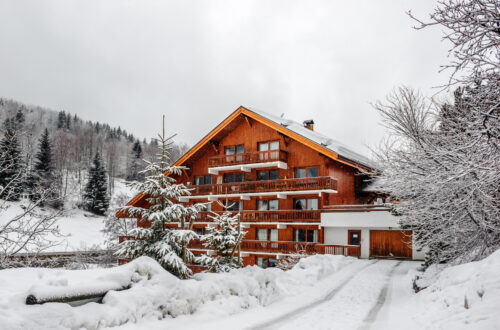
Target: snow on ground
{"x":80,"y":230}
{"x":321,"y":292}
{"x":156,"y":294}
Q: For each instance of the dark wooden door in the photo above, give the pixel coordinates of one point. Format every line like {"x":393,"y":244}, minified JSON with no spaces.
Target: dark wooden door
{"x":390,"y":243}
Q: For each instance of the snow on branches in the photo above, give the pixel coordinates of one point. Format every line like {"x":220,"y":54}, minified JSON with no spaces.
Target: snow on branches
{"x":224,"y":239}
{"x":166,"y":245}
{"x":443,"y":162}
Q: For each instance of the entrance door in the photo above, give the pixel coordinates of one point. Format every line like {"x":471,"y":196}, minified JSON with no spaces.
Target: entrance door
{"x":390,"y":243}
{"x":354,"y":237}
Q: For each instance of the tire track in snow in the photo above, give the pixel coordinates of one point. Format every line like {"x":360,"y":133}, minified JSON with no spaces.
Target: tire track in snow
{"x":372,"y":314}
{"x":304,"y":309}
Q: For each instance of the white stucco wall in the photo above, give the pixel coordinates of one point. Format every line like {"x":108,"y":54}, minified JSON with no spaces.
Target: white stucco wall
{"x":337,"y":224}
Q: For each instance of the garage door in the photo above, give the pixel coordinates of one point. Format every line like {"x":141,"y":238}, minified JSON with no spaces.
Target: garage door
{"x":390,"y":243}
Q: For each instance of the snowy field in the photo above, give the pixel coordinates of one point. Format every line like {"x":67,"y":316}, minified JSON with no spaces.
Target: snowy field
{"x":80,"y":230}
{"x":321,"y":292}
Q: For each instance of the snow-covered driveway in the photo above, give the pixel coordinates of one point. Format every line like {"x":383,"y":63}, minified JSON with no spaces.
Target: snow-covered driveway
{"x":366,"y":294}
{"x":354,"y":303}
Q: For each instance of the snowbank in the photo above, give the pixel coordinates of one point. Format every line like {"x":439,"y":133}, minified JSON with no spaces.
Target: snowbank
{"x":154,"y":293}
{"x":463,"y":296}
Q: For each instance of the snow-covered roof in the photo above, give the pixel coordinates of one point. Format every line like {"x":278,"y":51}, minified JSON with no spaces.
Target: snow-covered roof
{"x":318,"y":138}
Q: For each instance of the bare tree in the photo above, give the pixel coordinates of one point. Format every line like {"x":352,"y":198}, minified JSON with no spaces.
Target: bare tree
{"x":29,"y":229}
{"x":442,"y":168}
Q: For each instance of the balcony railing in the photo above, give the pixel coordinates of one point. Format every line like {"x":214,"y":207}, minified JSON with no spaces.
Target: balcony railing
{"x":279,"y":247}
{"x":248,"y":158}
{"x":318,"y":183}
{"x":283,"y":247}
{"x":344,"y":250}
{"x":265,"y":216}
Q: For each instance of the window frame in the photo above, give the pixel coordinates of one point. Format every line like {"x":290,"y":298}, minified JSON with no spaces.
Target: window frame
{"x":267,"y":201}
{"x":268,"y":175}
{"x":315,"y":235}
{"x":306,"y":169}
{"x":233,"y":175}
{"x":203,"y":179}
{"x":307,"y":200}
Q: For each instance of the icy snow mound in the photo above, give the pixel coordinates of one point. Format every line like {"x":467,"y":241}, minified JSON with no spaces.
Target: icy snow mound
{"x":463,"y":296}
{"x":154,"y":293}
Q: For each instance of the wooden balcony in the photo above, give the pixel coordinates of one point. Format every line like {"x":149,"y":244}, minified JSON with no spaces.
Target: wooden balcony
{"x":248,"y":158}
{"x":301,"y":247}
{"x":269,"y":216}
{"x":282,"y":185}
{"x":279,"y":247}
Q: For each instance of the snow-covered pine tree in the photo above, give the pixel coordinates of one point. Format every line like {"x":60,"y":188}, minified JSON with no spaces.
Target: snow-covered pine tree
{"x":224,"y":239}
{"x":166,"y":245}
{"x":42,"y":177}
{"x":11,"y":173}
{"x":96,"y":191}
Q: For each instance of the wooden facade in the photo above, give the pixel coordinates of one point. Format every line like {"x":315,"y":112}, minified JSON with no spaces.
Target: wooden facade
{"x":278,"y":180}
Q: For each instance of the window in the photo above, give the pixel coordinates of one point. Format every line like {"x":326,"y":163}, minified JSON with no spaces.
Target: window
{"x":310,"y":172}
{"x":229,"y":151}
{"x":267,"y":175}
{"x":267,"y":204}
{"x":273,"y":205}
{"x":267,"y":262}
{"x":199,"y":231}
{"x":234,"y":205}
{"x":200,"y":180}
{"x":306,"y":235}
{"x":234,"y":177}
{"x":306,"y":204}
{"x":269,"y":146}
{"x":267,"y":235}
{"x":273,"y":235}
{"x":262,"y":234}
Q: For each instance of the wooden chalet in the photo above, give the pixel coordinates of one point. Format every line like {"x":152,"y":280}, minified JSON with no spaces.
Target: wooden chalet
{"x":297,"y":191}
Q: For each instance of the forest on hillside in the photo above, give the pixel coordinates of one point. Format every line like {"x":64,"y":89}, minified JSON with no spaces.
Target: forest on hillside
{"x":72,"y":144}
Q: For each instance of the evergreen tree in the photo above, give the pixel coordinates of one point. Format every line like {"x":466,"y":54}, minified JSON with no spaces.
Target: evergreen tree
{"x":61,"y":120}
{"x":11,"y":172}
{"x":166,"y":245}
{"x":134,"y":170}
{"x":96,"y":193}
{"x":67,"y":124}
{"x":42,"y":176}
{"x":224,"y":240}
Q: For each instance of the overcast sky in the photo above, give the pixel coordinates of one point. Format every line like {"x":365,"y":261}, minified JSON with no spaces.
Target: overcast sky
{"x":128,"y":62}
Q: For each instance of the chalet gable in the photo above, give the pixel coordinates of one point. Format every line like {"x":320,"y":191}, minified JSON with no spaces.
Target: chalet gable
{"x":287,"y":128}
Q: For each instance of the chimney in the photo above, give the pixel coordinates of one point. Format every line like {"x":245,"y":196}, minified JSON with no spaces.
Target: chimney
{"x":309,"y":124}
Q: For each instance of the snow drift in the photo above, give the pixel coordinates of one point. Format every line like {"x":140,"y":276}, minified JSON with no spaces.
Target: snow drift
{"x":154,"y":293}
{"x":462,"y":296}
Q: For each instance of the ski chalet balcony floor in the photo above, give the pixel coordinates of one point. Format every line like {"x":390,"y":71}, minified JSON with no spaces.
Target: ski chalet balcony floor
{"x":247,"y":161}
{"x":280,"y":188}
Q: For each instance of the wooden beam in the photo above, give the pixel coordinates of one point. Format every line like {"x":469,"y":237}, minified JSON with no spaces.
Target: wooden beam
{"x":248,"y":121}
